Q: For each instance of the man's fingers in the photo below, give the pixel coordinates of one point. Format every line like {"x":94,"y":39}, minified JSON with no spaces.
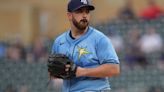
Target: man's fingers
{"x":67,"y":67}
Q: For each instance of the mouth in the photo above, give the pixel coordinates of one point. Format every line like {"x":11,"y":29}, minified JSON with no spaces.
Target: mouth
{"x":84,"y":21}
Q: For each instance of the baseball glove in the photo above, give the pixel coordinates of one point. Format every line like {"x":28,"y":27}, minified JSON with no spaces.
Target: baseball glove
{"x":57,"y":66}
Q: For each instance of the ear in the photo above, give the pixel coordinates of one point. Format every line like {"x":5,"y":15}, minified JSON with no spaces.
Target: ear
{"x":69,"y":15}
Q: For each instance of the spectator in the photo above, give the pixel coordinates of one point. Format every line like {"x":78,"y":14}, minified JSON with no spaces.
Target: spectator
{"x":153,"y":11}
{"x":151,"y":41}
{"x":126,"y":12}
{"x":133,"y":54}
{"x":30,"y":57}
{"x":16,"y":51}
{"x":2,"y":50}
{"x":39,"y":50}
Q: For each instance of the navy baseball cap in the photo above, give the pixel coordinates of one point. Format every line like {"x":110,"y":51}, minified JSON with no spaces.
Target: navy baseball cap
{"x":74,"y":5}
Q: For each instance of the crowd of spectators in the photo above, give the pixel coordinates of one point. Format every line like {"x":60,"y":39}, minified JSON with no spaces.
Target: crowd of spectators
{"x":152,"y":11}
{"x":15,"y":51}
{"x":138,"y":48}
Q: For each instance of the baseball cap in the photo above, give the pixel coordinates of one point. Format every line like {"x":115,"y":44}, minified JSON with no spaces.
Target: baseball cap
{"x":74,"y":5}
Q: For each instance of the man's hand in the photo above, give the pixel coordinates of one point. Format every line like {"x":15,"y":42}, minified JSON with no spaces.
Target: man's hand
{"x":60,"y":66}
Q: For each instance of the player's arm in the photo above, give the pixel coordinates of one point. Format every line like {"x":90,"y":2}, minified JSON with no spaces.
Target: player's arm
{"x":108,"y":60}
{"x":105,"y":70}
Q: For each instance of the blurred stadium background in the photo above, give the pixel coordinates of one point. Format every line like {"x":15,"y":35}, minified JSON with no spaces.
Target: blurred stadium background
{"x":28,"y":27}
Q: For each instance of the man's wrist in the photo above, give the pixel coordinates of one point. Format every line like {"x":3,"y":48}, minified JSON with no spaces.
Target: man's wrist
{"x":80,"y":72}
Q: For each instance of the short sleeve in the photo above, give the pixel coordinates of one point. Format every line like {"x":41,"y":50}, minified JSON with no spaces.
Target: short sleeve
{"x":106,"y":52}
{"x":54,"y":48}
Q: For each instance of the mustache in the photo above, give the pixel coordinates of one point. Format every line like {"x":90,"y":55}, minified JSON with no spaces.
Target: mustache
{"x":84,"y":20}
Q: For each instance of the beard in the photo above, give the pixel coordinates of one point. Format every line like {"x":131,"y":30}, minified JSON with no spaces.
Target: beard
{"x":82,"y":25}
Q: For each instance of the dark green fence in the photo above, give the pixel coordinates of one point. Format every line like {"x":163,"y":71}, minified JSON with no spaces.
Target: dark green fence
{"x":34,"y":77}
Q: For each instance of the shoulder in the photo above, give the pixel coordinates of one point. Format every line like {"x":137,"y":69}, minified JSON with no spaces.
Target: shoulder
{"x":98,"y":34}
{"x":61,"y":37}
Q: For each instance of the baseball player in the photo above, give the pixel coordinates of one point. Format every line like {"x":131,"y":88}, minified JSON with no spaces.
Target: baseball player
{"x":89,"y":49}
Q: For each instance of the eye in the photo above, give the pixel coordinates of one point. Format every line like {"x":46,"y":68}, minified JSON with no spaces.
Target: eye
{"x":79,"y":11}
{"x":87,"y":11}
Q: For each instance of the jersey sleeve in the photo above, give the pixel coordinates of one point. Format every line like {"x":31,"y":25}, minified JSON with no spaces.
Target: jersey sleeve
{"x":106,"y":52}
{"x":54,"y":47}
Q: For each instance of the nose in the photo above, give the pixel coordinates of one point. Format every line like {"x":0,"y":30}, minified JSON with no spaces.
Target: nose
{"x":84,"y":14}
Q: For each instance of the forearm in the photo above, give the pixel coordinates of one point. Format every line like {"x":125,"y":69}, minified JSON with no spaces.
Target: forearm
{"x":105,"y":70}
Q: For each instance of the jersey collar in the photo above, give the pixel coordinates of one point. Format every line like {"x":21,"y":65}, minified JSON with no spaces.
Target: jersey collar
{"x":89,"y":30}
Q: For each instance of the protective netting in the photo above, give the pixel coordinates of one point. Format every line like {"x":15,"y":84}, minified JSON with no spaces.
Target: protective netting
{"x":142,"y":70}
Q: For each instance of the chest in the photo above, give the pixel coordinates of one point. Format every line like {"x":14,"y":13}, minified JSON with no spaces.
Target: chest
{"x":82,"y":53}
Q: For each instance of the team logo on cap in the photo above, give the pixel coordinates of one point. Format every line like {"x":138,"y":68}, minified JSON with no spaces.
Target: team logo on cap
{"x":84,"y":1}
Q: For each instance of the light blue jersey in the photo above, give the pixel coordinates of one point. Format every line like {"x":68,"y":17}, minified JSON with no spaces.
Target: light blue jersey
{"x":90,"y":50}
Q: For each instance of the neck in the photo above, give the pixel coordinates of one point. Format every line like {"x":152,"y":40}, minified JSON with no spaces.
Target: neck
{"x":76,"y":33}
